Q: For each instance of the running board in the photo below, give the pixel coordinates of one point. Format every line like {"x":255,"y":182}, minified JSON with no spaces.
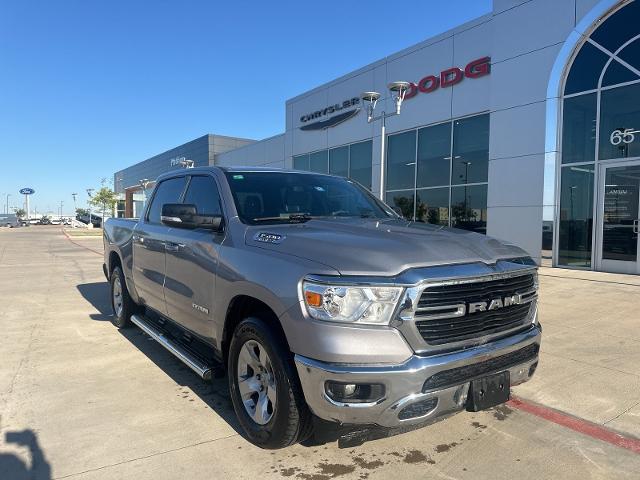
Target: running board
{"x":189,"y":359}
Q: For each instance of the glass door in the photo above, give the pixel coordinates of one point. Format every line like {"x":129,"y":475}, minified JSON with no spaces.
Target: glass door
{"x":619,"y":217}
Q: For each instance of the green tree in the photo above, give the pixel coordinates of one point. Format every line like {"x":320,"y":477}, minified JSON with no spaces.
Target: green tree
{"x":82,"y":212}
{"x":20,"y":213}
{"x":105,"y":198}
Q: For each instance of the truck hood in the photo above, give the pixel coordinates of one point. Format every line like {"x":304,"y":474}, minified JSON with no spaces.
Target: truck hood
{"x":362,"y":246}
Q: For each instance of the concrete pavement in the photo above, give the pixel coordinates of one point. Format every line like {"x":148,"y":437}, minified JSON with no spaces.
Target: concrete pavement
{"x":84,"y":401}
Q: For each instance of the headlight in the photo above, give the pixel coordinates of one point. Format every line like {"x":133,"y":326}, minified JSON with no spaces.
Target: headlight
{"x":351,"y":304}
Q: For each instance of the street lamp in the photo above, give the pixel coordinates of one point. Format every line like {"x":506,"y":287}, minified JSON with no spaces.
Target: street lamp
{"x":90,"y":193}
{"x":75,"y":212}
{"x":7,"y":206}
{"x":398,"y":92}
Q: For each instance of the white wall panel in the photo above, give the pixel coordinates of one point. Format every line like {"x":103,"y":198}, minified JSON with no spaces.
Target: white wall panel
{"x":517,"y":131}
{"x":521,"y":226}
{"x":531,"y":26}
{"x":516,"y":182}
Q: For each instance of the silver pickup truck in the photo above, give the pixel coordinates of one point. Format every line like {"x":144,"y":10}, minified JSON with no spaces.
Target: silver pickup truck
{"x":323,"y":306}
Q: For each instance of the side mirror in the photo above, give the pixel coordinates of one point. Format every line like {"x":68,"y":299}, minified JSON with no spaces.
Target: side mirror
{"x":184,"y":215}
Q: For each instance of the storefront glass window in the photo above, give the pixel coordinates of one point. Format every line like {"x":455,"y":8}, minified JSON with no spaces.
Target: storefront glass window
{"x":301,"y":162}
{"x":432,"y":205}
{"x":620,"y":122}
{"x":617,"y":73}
{"x":402,"y":202}
{"x":470,"y":162}
{"x":339,"y":161}
{"x":618,"y":28}
{"x":360,"y":156}
{"x":585,"y":70}
{"x":434,"y":155}
{"x":469,"y":208}
{"x":631,"y":54}
{"x":401,"y":160}
{"x":319,"y":162}
{"x":579,"y":129}
{"x":576,"y":216}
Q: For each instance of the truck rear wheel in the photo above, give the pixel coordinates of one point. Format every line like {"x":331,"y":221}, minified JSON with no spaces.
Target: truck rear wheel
{"x":123,"y":306}
{"x":264,"y":386}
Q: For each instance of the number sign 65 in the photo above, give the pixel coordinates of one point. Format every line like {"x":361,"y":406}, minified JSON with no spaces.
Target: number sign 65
{"x":622,"y":136}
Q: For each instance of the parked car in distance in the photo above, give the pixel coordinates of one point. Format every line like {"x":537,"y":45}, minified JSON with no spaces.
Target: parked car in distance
{"x":328,"y":311}
{"x":10,"y":220}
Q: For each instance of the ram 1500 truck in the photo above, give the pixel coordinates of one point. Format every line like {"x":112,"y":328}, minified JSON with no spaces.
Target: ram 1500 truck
{"x":322,"y":305}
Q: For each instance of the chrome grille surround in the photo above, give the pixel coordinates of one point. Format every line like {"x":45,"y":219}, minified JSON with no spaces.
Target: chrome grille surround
{"x":413,"y":315}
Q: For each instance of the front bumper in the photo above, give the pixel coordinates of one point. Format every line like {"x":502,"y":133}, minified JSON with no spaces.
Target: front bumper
{"x":440,"y":382}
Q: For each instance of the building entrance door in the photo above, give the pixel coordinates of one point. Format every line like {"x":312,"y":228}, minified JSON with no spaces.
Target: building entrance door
{"x":619,"y":217}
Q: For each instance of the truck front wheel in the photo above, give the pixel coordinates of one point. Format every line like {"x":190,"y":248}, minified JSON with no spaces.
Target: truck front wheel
{"x":123,"y":306}
{"x":264,"y":386}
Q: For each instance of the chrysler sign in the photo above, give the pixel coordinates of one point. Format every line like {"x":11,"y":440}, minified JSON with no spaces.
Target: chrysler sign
{"x":325,"y":118}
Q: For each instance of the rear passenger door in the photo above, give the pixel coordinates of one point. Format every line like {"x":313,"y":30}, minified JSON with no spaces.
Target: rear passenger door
{"x":149,"y":239}
{"x":192,"y":262}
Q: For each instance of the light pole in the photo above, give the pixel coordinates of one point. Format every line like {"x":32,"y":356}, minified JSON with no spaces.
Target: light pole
{"x":61,"y":203}
{"x":398,"y":92}
{"x":74,"y":195}
{"x":90,"y":193}
{"x":7,"y":206}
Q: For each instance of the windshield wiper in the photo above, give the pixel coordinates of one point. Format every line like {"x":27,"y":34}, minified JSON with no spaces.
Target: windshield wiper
{"x":294,"y":217}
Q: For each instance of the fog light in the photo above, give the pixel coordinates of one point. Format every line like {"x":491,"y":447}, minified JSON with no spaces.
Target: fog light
{"x":354,"y":392}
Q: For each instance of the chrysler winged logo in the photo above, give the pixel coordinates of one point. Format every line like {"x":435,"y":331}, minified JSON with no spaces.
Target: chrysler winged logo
{"x":494,"y":304}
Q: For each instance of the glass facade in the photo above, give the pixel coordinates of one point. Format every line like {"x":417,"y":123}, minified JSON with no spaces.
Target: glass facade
{"x":438,"y":174}
{"x":351,"y":161}
{"x":601,"y":123}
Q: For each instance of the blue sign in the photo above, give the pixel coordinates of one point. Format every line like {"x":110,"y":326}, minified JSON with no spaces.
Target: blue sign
{"x":27,"y":191}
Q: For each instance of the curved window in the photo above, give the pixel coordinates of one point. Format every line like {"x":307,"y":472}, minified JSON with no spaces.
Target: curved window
{"x":601,"y":121}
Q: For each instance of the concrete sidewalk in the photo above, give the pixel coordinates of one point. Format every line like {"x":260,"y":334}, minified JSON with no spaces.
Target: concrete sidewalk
{"x":590,"y":360}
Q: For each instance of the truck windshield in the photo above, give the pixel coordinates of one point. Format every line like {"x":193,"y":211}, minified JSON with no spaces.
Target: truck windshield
{"x":282,"y":197}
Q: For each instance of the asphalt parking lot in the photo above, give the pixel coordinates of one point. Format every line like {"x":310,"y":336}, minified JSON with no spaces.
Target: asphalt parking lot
{"x":80,"y":400}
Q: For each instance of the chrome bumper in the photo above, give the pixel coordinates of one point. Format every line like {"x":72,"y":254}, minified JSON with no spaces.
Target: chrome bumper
{"x":404,"y":383}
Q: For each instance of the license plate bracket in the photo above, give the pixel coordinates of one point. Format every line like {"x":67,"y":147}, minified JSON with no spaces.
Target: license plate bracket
{"x":489,"y":391}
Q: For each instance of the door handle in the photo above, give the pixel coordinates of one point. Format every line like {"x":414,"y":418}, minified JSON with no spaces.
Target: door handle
{"x":173,"y":247}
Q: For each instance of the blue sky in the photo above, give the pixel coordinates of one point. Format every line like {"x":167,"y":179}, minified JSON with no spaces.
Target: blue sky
{"x":90,"y":87}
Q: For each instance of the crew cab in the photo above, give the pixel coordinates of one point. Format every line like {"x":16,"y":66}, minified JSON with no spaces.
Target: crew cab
{"x":321,"y":304}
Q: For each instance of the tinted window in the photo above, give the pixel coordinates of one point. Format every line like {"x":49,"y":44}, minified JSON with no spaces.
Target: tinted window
{"x":360,"y":163}
{"x":619,"y":118}
{"x":318,"y":162}
{"x":470,"y":150}
{"x":585,"y":70}
{"x":469,"y":208}
{"x":168,"y":191}
{"x":401,"y":160}
{"x":339,"y":161}
{"x":579,"y":129}
{"x":618,"y":28}
{"x":203,"y":193}
{"x":301,"y":162}
{"x":576,"y":216}
{"x":631,"y":54}
{"x":403,"y":201}
{"x":617,"y":73}
{"x":432,"y":206}
{"x":434,"y":155}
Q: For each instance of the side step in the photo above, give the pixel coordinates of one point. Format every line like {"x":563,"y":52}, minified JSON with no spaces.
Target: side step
{"x":188,"y":358}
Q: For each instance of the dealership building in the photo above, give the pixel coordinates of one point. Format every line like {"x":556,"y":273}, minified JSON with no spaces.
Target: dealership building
{"x":523,"y":124}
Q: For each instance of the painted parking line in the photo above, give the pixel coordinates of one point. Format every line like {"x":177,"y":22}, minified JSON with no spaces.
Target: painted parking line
{"x":577,"y":424}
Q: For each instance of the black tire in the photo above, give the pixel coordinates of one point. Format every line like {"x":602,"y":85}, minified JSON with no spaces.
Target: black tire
{"x":291,"y":419}
{"x":121,"y":316}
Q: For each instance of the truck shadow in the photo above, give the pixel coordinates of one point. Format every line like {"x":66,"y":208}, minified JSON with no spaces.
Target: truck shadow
{"x":97,"y":294}
{"x":14,"y":467}
{"x":215,"y":394}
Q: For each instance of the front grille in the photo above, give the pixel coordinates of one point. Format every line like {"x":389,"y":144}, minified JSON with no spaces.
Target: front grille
{"x":444,"y":314}
{"x":460,"y":375}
